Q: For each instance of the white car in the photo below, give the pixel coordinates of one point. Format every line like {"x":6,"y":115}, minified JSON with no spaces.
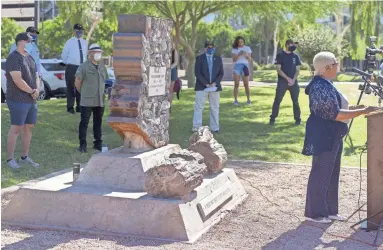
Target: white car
{"x":53,"y":75}
{"x":4,"y":84}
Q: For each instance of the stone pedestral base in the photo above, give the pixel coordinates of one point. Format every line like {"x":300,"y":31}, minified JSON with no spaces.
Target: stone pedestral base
{"x":56,"y":204}
{"x":120,"y":170}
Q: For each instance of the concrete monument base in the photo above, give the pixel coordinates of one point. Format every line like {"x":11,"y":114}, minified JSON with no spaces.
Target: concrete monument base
{"x":118,"y":169}
{"x":57,"y":204}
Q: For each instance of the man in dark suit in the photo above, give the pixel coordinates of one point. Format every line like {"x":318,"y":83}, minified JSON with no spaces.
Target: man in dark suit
{"x":209,"y":73}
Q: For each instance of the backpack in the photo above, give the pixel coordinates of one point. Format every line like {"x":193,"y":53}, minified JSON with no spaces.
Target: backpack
{"x":177,"y":87}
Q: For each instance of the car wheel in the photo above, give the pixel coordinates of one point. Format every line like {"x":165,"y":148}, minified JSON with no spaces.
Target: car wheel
{"x":42,"y":95}
{"x":2,"y":96}
{"x":46,"y":90}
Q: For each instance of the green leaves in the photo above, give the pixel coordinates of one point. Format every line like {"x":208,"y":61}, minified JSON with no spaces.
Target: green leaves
{"x":9,"y":30}
{"x":315,"y":39}
{"x":365,"y":20}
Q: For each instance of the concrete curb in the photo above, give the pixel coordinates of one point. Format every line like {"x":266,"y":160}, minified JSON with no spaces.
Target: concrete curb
{"x":12,"y":189}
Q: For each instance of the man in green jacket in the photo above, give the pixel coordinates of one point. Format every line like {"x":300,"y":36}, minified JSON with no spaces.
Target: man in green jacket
{"x":90,"y":82}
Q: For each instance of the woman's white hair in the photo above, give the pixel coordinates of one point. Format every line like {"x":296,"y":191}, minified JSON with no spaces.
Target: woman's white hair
{"x":321,"y":60}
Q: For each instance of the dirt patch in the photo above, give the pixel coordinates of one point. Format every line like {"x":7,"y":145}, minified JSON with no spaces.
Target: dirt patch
{"x":270,"y":218}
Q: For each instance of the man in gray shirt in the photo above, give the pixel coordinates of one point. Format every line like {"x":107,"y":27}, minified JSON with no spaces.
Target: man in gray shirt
{"x":23,"y":86}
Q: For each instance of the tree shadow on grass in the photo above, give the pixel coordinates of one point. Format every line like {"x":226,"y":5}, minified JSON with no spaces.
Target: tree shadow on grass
{"x":349,"y":148}
{"x":245,"y":132}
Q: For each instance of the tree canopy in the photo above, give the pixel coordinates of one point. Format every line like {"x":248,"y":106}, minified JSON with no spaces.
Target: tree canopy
{"x":9,"y":30}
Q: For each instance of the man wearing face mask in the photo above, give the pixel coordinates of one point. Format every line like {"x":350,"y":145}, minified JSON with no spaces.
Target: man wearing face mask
{"x":288,"y":66}
{"x":90,"y":82}
{"x":74,"y":54}
{"x":31,"y":47}
{"x":209,"y":73}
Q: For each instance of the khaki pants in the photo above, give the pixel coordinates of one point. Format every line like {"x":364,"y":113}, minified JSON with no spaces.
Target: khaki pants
{"x":200,"y":99}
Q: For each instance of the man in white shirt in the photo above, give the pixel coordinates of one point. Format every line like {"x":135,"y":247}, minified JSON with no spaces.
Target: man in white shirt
{"x":74,"y":54}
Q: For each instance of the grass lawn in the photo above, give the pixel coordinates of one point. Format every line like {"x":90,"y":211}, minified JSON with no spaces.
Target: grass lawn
{"x":304,"y":76}
{"x":245,"y":132}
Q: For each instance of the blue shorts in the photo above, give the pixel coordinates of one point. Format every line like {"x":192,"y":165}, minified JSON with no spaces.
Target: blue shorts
{"x":241,"y":69}
{"x":174,"y":74}
{"x":22,"y":113}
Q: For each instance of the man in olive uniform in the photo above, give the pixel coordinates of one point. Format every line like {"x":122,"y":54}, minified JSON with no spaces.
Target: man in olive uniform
{"x":90,"y":83}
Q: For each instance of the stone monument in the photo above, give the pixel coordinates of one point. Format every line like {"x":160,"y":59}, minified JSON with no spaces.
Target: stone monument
{"x":148,"y":187}
{"x":139,"y":106}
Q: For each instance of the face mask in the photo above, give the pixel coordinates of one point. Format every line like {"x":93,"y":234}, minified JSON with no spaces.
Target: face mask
{"x":292,"y":48}
{"x":34,"y":37}
{"x":210,"y":51}
{"x":97,"y":56}
{"x":79,"y":33}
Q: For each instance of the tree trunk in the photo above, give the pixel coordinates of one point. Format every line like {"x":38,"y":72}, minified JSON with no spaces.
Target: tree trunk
{"x":338,"y":27}
{"x":190,"y":72}
{"x":191,"y":53}
{"x":267,"y":42}
{"x":94,"y":24}
{"x":275,"y":41}
{"x":189,"y":49}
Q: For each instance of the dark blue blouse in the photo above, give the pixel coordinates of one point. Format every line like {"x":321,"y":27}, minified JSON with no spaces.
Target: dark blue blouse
{"x":322,"y":130}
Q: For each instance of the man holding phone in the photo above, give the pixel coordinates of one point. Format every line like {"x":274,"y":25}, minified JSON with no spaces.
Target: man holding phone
{"x":288,"y":67}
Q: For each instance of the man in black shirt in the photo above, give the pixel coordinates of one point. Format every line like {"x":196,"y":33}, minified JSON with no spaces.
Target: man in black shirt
{"x":288,"y":66}
{"x":23,"y":84}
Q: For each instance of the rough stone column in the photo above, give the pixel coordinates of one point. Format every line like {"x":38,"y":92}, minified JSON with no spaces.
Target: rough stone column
{"x":139,"y":106}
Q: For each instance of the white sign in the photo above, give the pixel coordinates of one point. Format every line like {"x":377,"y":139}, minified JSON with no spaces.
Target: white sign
{"x":157,"y":81}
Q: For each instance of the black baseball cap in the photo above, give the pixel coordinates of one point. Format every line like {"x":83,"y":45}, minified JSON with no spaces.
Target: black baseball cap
{"x":24,"y":36}
{"x":208,"y":43}
{"x":32,"y":30}
{"x":78,"y":27}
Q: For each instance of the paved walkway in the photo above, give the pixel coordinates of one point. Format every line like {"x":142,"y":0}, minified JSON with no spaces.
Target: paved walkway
{"x":266,"y":84}
{"x":181,"y":74}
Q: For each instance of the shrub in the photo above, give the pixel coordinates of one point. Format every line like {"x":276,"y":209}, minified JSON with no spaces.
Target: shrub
{"x":305,"y":66}
{"x":256,"y":66}
{"x":269,"y":67}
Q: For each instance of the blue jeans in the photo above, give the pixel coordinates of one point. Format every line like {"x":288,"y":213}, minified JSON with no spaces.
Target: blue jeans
{"x":241,"y":69}
{"x":22,"y":113}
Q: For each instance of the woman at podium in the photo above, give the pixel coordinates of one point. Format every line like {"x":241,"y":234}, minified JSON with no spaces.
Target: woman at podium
{"x":325,"y":129}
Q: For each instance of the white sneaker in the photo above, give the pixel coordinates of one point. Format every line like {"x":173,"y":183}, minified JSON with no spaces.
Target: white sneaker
{"x":323,"y":220}
{"x":29,"y":161}
{"x":336,"y":217}
{"x":13,"y":164}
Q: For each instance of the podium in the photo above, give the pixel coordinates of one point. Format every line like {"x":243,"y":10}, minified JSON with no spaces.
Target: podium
{"x":374,"y":169}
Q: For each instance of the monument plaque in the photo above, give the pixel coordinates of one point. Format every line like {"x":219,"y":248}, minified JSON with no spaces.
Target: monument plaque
{"x":214,"y":200}
{"x":157,"y":81}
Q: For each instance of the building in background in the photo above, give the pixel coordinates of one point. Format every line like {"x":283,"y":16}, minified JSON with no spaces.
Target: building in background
{"x":23,"y":11}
